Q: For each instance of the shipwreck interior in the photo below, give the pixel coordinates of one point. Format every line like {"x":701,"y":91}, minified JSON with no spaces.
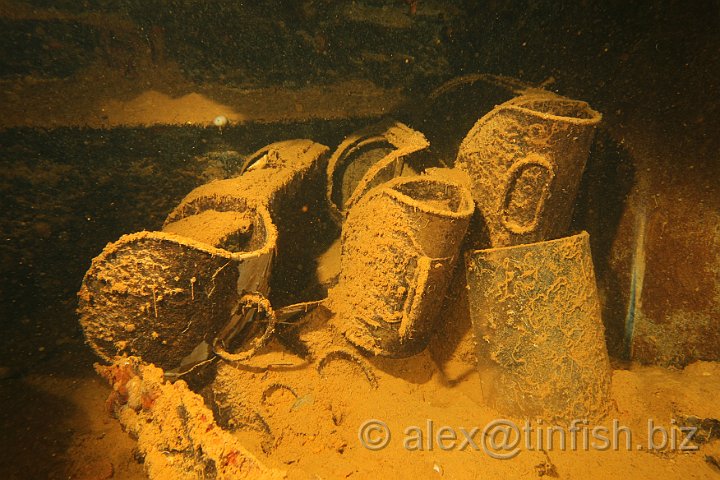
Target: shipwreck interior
{"x":339,"y":239}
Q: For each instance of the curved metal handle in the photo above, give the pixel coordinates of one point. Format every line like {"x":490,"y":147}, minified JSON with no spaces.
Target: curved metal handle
{"x":514,"y":173}
{"x":249,"y":307}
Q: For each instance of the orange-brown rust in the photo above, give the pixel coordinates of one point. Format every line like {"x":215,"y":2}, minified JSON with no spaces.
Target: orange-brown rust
{"x":176,"y":432}
{"x":525,"y":159}
{"x":399,"y":248}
